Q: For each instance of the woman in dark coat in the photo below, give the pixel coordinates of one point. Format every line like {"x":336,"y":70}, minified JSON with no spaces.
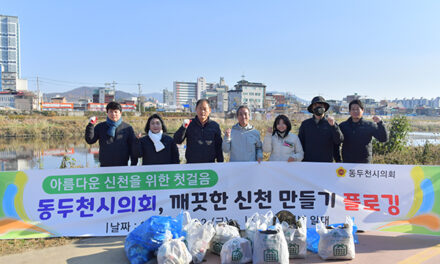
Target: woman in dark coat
{"x":156,"y":147}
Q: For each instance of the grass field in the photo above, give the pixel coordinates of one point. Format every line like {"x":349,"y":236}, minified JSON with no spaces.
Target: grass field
{"x":15,"y":246}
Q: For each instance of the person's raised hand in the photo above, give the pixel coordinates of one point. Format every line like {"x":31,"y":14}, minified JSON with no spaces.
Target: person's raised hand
{"x":376,"y":119}
{"x":228,"y":133}
{"x":93,"y":120}
{"x":186,"y":123}
{"x":331,"y":121}
{"x":269,"y":130}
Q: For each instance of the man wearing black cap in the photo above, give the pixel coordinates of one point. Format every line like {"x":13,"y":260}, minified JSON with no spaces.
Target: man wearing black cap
{"x":358,"y":132}
{"x":319,"y":135}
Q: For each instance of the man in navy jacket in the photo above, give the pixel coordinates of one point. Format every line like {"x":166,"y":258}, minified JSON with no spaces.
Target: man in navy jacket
{"x":117,"y":141}
{"x":203,"y":136}
{"x":358,"y":132}
{"x":319,"y":135}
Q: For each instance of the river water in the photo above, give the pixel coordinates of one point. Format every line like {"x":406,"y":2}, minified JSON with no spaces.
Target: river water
{"x":420,"y":138}
{"x":26,"y":154}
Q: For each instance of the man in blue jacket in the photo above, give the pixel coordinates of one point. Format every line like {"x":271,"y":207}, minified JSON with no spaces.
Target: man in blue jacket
{"x":319,"y":135}
{"x":358,"y":133}
{"x":117,"y":141}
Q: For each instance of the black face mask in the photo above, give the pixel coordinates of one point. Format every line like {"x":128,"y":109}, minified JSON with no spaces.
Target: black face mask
{"x":319,"y":111}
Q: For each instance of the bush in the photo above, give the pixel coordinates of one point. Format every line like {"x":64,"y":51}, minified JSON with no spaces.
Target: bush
{"x":69,"y":162}
{"x":398,"y":131}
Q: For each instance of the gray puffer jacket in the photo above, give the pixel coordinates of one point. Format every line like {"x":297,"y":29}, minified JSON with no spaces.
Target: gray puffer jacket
{"x":244,"y":144}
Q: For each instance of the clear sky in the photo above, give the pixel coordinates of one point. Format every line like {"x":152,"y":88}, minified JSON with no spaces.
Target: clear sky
{"x":379,"y":48}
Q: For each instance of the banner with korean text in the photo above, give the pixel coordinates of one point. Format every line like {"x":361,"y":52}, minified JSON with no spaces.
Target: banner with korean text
{"x":113,"y":201}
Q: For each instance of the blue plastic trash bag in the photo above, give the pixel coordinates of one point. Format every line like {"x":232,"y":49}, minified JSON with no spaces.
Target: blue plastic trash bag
{"x":313,"y":237}
{"x":136,"y":251}
{"x":141,"y":243}
{"x":312,"y":240}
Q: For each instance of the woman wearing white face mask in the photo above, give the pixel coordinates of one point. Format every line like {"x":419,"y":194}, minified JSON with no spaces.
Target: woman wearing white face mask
{"x":156,"y":147}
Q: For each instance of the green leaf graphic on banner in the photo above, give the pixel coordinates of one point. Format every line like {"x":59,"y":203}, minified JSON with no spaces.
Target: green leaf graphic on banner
{"x":137,"y":181}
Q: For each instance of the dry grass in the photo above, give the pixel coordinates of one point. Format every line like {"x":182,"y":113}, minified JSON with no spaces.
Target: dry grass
{"x":431,"y":124}
{"x":423,"y":155}
{"x":44,"y":127}
{"x":15,"y":246}
{"x":39,"y":126}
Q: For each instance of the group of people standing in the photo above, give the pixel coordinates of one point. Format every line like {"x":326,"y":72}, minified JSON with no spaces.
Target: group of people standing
{"x":319,"y":138}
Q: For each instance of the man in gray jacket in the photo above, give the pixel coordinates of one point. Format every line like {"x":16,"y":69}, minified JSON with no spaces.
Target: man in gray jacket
{"x":243,"y":140}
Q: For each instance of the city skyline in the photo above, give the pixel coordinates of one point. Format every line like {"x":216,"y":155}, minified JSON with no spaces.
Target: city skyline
{"x":381,"y":50}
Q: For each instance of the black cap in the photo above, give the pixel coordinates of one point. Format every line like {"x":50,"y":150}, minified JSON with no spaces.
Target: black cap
{"x":318,"y":99}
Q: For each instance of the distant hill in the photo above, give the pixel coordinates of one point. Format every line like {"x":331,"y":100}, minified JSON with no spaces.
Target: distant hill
{"x":87,"y":92}
{"x":73,"y":95}
{"x":302,"y":101}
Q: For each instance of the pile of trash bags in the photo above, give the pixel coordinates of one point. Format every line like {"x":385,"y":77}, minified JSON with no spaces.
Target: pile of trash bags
{"x":267,"y":238}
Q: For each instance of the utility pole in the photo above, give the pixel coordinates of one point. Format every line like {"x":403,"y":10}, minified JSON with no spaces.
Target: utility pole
{"x":140,"y":103}
{"x":114,"y":88}
{"x":38,"y":95}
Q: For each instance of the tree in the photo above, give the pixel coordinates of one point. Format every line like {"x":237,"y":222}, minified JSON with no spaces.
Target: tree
{"x":398,"y":129}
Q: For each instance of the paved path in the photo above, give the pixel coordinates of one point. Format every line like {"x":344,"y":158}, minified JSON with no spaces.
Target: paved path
{"x":374,"y":247}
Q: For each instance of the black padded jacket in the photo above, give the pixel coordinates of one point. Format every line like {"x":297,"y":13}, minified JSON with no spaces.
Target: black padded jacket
{"x":114,"y":151}
{"x":203,"y":142}
{"x":319,"y":140}
{"x":357,"y":147}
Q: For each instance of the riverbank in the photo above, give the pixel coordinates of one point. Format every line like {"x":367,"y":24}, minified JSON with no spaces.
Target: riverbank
{"x":37,"y":153}
{"x":41,"y":126}
{"x":37,"y":126}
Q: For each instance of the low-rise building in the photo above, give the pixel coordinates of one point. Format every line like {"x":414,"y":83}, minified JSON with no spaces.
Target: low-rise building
{"x":21,"y":100}
{"x":150,"y":104}
{"x":247,"y":93}
{"x":58,"y":99}
{"x":167,"y":97}
{"x":81,"y":105}
{"x":103,"y":95}
{"x":7,"y":100}
{"x":269,"y":102}
{"x":98,"y":107}
{"x":50,"y":106}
